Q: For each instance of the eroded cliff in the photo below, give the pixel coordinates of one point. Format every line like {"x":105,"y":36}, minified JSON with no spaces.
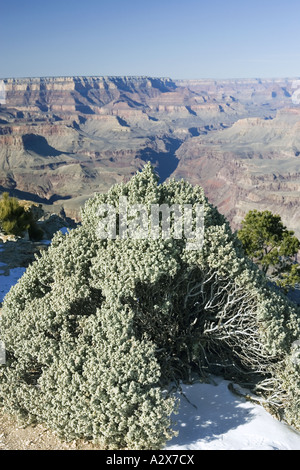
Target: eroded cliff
{"x":64,"y":138}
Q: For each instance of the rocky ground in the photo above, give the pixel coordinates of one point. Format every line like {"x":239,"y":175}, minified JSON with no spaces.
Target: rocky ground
{"x":18,"y":254}
{"x":15,"y":437}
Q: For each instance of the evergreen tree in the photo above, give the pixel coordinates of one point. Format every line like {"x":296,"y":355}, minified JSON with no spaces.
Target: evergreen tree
{"x":272,"y":246}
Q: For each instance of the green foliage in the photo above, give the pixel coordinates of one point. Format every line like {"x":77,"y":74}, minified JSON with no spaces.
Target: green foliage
{"x":97,"y":330}
{"x":268,"y":242}
{"x":15,"y":219}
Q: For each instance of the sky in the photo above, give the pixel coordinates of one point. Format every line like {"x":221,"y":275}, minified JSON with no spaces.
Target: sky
{"x":180,"y":39}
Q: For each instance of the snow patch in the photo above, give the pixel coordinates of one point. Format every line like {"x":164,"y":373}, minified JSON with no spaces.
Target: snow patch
{"x":211,"y":417}
{"x":7,"y":281}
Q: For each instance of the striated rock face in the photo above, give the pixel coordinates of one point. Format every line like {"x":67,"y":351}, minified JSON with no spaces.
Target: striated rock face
{"x":64,"y":138}
{"x":79,"y":94}
{"x":254,"y":164}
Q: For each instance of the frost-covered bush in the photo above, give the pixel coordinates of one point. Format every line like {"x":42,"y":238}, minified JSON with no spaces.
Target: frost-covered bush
{"x":98,"y":329}
{"x":73,"y":361}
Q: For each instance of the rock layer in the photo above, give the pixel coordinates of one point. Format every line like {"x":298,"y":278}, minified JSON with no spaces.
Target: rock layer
{"x":64,"y":138}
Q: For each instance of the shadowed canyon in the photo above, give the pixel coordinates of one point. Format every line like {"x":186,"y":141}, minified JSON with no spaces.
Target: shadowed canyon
{"x":62,"y":139}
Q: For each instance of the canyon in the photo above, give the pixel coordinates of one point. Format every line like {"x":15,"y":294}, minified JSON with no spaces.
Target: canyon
{"x":64,"y":138}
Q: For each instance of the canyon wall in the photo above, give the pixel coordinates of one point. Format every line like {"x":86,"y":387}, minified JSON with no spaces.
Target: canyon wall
{"x":62,"y":139}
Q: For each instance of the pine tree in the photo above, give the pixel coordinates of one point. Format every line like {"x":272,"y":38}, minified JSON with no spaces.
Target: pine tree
{"x":271,"y":246}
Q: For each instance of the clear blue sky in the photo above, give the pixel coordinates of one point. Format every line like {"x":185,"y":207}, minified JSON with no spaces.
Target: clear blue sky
{"x":173,"y":38}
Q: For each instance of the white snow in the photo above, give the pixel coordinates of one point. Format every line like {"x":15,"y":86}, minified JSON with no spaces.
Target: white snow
{"x":7,"y":281}
{"x":210,"y":416}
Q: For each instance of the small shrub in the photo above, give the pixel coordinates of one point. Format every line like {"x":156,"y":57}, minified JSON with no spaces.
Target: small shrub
{"x":15,"y":219}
